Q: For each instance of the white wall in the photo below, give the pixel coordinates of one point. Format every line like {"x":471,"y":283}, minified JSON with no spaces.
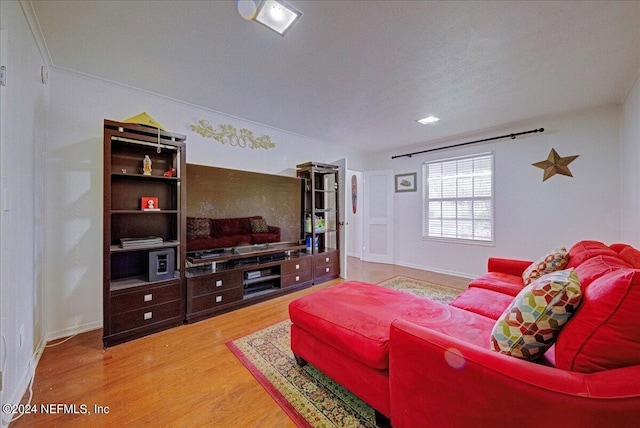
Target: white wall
{"x":73,"y":194}
{"x":531,"y":217}
{"x":22,"y":142}
{"x":629,"y":161}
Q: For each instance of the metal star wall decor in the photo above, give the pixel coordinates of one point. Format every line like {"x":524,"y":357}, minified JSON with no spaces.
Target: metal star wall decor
{"x":555,"y":165}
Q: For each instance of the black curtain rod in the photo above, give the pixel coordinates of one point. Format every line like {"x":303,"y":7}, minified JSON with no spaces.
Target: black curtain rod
{"x":512,"y":136}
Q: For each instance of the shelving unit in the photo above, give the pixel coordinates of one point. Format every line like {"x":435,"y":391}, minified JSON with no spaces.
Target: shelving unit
{"x":320,"y":217}
{"x":143,"y":285}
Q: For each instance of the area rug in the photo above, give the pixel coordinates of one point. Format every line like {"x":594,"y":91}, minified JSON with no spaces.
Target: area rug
{"x":309,"y":397}
{"x":437,"y":292}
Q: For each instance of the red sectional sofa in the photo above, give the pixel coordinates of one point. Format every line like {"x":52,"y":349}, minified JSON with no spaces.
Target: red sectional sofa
{"x":420,"y":363}
{"x":209,"y":233}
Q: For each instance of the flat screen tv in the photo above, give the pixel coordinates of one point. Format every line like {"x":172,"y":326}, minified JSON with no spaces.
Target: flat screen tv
{"x":221,"y":193}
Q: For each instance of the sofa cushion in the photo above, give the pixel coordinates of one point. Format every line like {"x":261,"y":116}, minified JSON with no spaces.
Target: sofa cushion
{"x":230,"y":226}
{"x":355,"y":318}
{"x":550,"y":262}
{"x":597,"y":266}
{"x":584,"y":250}
{"x":605,"y":332}
{"x":259,"y":225}
{"x":531,"y":323}
{"x":264,"y":238}
{"x":234,"y":241}
{"x":497,"y":281}
{"x":210,"y":243}
{"x":488,"y":303}
{"x":631,"y":256}
{"x":198,"y":244}
{"x":198,"y":227}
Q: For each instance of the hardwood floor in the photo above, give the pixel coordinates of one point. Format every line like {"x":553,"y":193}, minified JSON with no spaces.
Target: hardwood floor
{"x":182,"y":377}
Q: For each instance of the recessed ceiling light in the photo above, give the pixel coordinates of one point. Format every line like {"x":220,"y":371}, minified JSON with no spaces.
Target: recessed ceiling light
{"x":277,"y":15}
{"x":428,"y":120}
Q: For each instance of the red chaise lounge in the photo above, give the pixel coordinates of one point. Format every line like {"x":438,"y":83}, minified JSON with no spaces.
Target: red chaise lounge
{"x":423,"y":364}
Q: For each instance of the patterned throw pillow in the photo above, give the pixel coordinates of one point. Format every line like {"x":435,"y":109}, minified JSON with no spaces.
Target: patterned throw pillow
{"x":198,"y":227}
{"x":530,"y":325}
{"x":551,"y":262}
{"x":259,"y":225}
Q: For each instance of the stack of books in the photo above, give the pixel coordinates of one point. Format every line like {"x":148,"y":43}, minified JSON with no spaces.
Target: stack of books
{"x":140,"y":242}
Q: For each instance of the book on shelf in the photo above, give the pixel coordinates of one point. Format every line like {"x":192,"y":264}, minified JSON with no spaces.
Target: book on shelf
{"x":140,"y":242}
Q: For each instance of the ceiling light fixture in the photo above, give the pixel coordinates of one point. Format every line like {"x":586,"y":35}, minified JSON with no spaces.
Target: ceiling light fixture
{"x":428,"y":120}
{"x":277,"y":15}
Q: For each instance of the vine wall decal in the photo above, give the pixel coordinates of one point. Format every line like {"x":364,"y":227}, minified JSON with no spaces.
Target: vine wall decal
{"x":228,"y":134}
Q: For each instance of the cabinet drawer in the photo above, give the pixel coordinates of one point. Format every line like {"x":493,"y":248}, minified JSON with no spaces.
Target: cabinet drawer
{"x":144,"y":297}
{"x":214,"y":283}
{"x":329,"y":270}
{"x":326,"y":259}
{"x":209,"y":301}
{"x":326,"y":265}
{"x":296,"y":278}
{"x":296,"y":266}
{"x":145,"y":316}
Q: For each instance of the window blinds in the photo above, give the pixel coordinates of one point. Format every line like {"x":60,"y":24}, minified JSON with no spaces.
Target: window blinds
{"x":458,"y":198}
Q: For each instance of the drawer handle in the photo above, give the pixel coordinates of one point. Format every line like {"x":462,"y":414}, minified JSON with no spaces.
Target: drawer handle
{"x":148,"y":297}
{"x":218,"y":299}
{"x":148,"y":315}
{"x":327,"y":260}
{"x":327,"y":269}
{"x":219,"y":283}
{"x":297,"y":267}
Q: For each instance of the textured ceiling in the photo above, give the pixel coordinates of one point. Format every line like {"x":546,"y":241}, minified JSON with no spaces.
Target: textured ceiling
{"x":360,"y":73}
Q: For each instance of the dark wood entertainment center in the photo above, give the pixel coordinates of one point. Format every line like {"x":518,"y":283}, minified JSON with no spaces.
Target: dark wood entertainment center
{"x":151,"y":282}
{"x":245,"y":276}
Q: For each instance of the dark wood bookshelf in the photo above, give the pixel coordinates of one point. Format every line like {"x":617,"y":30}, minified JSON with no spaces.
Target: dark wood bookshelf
{"x":135,"y":303}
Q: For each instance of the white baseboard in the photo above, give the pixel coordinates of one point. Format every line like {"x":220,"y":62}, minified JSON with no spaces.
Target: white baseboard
{"x":70,"y":331}
{"x":437,"y":270}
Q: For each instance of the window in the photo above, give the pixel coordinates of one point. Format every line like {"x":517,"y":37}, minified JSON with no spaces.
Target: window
{"x":458,"y":198}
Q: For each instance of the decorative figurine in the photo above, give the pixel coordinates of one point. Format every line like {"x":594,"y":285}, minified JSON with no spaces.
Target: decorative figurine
{"x":146,"y":165}
{"x":170,"y":173}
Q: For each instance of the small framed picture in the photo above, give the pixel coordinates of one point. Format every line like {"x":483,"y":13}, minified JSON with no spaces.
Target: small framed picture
{"x":406,"y":182}
{"x":149,"y":203}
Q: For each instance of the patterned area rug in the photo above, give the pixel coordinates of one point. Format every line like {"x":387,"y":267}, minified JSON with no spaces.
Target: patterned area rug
{"x":439,"y":293}
{"x":309,"y":397}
